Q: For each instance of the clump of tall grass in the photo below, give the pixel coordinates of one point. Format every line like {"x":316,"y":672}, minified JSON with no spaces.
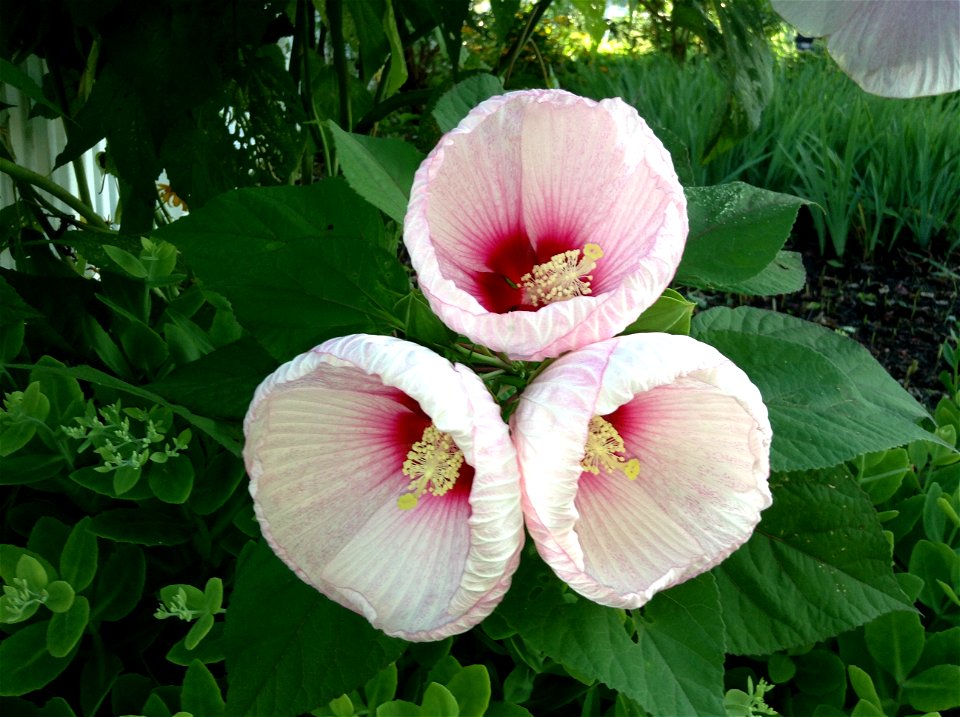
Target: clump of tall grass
{"x":882,"y":171}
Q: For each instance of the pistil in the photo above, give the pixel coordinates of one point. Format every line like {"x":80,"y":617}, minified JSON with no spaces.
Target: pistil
{"x":566,"y":275}
{"x":433,"y":466}
{"x":605,"y":449}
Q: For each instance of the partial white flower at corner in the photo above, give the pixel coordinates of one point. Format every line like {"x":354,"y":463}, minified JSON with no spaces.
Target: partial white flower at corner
{"x":384,"y":476}
{"x":893,"y":48}
{"x":545,"y":222}
{"x":644,"y":462}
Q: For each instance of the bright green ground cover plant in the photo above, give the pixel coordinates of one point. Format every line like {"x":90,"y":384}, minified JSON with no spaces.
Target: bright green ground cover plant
{"x":136,"y":578}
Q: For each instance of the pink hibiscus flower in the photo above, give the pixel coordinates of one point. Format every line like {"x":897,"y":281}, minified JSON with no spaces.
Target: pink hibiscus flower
{"x":545,"y":222}
{"x":644,"y":462}
{"x":384,"y":476}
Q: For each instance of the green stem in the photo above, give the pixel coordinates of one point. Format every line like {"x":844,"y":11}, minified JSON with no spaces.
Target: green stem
{"x":392,"y":103}
{"x":511,"y":57}
{"x":23,"y":174}
{"x":483,"y":357}
{"x":335,"y":16}
{"x":300,"y":70}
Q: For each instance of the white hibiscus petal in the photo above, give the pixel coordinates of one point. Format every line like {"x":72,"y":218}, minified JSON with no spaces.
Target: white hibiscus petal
{"x":699,"y":430}
{"x":327,"y":435}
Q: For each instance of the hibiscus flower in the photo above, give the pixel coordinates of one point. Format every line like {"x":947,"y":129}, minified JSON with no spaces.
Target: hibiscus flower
{"x":545,"y":222}
{"x":384,"y":476}
{"x":893,"y":48}
{"x":644,"y":462}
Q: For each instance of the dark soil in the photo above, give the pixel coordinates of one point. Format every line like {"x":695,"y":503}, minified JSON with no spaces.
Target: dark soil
{"x":902,"y":307}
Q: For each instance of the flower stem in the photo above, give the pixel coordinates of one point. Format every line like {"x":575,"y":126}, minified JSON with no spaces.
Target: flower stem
{"x":23,"y":174}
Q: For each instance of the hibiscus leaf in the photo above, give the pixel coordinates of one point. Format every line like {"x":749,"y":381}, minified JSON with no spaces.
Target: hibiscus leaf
{"x":736,"y":232}
{"x":454,"y":105}
{"x":672,"y":665}
{"x":817,"y":565}
{"x":288,"y":647}
{"x":783,"y":275}
{"x":829,"y":400}
{"x":298,"y":264}
{"x":378,"y":169}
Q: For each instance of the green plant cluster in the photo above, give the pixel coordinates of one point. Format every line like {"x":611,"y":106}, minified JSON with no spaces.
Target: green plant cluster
{"x":880,"y":172}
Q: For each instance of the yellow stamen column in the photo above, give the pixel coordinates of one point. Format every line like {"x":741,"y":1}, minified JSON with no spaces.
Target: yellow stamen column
{"x":432,"y":464}
{"x":604,"y":450}
{"x":566,"y":275}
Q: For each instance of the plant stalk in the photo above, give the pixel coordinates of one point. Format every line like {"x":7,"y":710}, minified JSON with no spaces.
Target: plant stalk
{"x":23,"y":174}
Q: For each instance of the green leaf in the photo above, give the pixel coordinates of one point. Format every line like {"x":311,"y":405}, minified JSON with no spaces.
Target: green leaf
{"x":31,"y":570}
{"x":298,"y":264}
{"x":59,"y":596}
{"x":201,"y":694}
{"x":863,"y":685}
{"x":199,"y":631}
{"x":57,"y":707}
{"x":670,"y":314}
{"x":126,"y":261}
{"x":210,"y":650}
{"x":508,"y":709}
{"x":780,"y":668}
{"x":471,"y":689}
{"x":289,"y":648}
{"x":439,"y":702}
{"x":99,"y":378}
{"x":382,"y":687}
{"x":66,"y":628}
{"x":125,"y":478}
{"x":932,"y":562}
{"x":454,"y":105}
{"x":828,"y":398}
{"x":784,"y":275}
{"x":119,"y":585}
{"x":27,"y":664}
{"x":66,"y":397}
{"x":399,"y":708}
{"x":817,"y":564}
{"x":220,"y":384}
{"x":217,"y":483}
{"x":100,"y":671}
{"x":747,"y":63}
{"x":736,"y":232}
{"x":213,"y":595}
{"x":674,"y":664}
{"x":880,"y":474}
{"x":934,"y":690}
{"x":863,"y":708}
{"x":822,"y":673}
{"x":895,"y":641}
{"x":24,"y":469}
{"x":142,"y":526}
{"x":172,"y":480}
{"x":421,"y":324}
{"x":12,"y":75}
{"x":378,"y":169}
{"x":26,"y":411}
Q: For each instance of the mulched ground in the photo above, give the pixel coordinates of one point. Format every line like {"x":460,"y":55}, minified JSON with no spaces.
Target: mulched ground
{"x":902,"y":307}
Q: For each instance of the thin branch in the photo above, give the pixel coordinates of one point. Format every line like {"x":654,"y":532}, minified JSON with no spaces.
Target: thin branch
{"x":22,"y":174}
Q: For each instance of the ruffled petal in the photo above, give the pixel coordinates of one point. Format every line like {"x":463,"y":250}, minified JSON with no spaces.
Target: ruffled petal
{"x":529,"y":175}
{"x":326,"y":437}
{"x":700,"y":432}
{"x":893,"y":48}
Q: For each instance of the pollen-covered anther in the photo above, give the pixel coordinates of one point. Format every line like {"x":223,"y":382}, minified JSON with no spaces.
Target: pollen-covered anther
{"x":604,"y":450}
{"x":566,"y":275}
{"x":433,"y":466}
